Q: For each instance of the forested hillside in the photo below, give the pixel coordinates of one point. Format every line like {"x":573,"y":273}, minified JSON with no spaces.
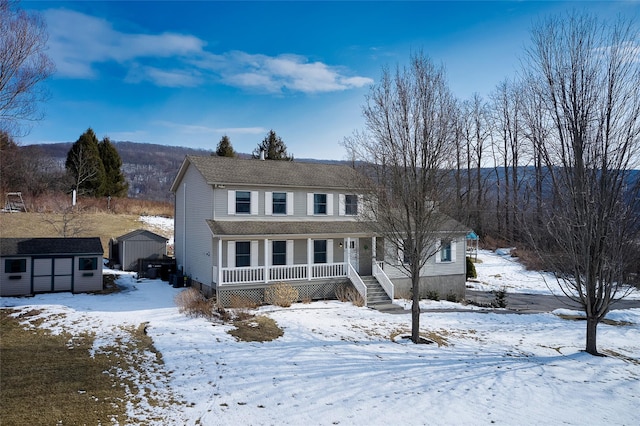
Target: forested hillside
{"x":149,"y":168}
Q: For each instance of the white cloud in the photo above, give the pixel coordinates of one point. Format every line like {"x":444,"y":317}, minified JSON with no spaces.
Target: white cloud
{"x":164,"y":77}
{"x":79,"y":42}
{"x":279,"y":73}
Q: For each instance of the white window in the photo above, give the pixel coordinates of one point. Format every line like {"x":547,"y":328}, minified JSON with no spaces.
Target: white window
{"x":242,"y":253}
{"x":278,"y":203}
{"x":319,"y":204}
{"x":447,"y":252}
{"x":242,"y":202}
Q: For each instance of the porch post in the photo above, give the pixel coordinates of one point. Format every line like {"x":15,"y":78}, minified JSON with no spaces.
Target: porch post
{"x":373,"y":248}
{"x":309,"y":258}
{"x":347,"y":250}
{"x":266,"y":260}
{"x":219,"y":278}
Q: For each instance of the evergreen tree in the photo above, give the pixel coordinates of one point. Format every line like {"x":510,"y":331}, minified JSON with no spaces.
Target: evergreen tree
{"x":273,"y":147}
{"x":225,"y":149}
{"x":85,"y":166}
{"x":115,"y":184}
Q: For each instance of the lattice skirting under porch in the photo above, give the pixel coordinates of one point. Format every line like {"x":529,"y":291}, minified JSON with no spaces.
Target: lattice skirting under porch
{"x":307,"y":290}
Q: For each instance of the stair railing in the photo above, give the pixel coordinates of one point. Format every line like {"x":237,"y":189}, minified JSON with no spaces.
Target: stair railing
{"x":383,"y":279}
{"x":357,"y":282}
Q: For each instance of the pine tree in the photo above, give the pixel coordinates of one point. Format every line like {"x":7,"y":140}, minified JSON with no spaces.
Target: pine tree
{"x":225,"y":149}
{"x":273,"y":147}
{"x":85,"y":166}
{"x":115,"y":184}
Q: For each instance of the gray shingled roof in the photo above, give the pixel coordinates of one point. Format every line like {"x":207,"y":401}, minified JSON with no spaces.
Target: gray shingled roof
{"x":258,"y":228}
{"x":149,"y":234}
{"x":225,"y":170}
{"x":49,"y":246}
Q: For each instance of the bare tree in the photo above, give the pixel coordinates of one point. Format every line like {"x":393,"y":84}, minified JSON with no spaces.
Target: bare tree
{"x":510,"y":154}
{"x":405,"y":155}
{"x":475,"y":132}
{"x":69,"y":222}
{"x":587,"y":74}
{"x":23,"y":65}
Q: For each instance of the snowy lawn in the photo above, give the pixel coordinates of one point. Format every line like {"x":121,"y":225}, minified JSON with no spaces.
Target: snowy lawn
{"x":340,"y":364}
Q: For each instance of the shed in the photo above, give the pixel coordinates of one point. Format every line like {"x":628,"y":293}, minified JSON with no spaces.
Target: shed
{"x":43,"y":265}
{"x":139,"y":244}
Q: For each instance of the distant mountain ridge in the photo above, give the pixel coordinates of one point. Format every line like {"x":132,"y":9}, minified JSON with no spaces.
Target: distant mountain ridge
{"x":149,"y":168}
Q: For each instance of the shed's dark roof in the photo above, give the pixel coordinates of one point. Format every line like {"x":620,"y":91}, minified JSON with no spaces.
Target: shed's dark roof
{"x":149,"y":234}
{"x":226,"y":170}
{"x":257,"y":228}
{"x":46,"y":246}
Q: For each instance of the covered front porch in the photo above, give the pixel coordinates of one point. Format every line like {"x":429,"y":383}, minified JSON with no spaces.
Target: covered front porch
{"x":304,"y":260}
{"x":313,"y":256}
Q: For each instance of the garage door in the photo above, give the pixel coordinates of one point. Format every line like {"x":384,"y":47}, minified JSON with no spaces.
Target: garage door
{"x":52,"y":274}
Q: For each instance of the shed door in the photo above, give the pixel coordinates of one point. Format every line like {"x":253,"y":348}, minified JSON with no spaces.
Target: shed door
{"x":62,"y":274}
{"x":52,"y":274}
{"x":42,"y":274}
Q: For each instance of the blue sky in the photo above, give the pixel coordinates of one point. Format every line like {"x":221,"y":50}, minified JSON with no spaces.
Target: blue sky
{"x":187,"y":73}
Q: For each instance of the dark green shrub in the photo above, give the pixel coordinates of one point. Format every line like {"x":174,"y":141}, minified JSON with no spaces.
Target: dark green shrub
{"x":433,"y":295}
{"x":500,"y":298}
{"x":471,"y":269}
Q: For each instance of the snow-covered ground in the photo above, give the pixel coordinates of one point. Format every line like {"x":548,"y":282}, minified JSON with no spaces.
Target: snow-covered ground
{"x":498,"y":270}
{"x":339,"y":364}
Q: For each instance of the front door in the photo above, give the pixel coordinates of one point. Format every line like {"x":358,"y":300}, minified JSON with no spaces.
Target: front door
{"x":354,"y":253}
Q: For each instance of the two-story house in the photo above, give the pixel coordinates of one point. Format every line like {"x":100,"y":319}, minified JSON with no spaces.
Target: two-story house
{"x":242,"y":224}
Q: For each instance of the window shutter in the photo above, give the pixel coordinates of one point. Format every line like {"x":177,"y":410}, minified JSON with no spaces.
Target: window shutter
{"x":254,"y":253}
{"x":254,"y":202}
{"x":342,"y":208}
{"x":453,"y":250}
{"x":268,"y":203}
{"x":360,"y":204}
{"x":289,"y":252}
{"x":439,"y":253}
{"x":329,"y":204}
{"x":310,"y":204}
{"x":231,"y":254}
{"x":231,"y":204}
{"x":329,"y":251}
{"x":290,"y":203}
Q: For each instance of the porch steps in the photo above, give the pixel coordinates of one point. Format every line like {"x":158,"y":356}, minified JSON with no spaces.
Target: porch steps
{"x":377,"y":298}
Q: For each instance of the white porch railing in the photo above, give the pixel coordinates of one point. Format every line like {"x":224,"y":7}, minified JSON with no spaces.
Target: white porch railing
{"x":256,"y":274}
{"x":328,"y":270}
{"x":287,"y":272}
{"x":357,"y":283}
{"x":382,"y":278}
{"x":242,"y":275}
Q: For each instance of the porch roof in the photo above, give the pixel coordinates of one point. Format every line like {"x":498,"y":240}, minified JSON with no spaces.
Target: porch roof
{"x":301,"y":228}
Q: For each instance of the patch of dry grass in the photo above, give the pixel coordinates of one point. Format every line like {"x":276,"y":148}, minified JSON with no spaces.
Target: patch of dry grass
{"x":56,"y":374}
{"x":256,"y":329}
{"x":54,"y":379}
{"x":98,"y":224}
